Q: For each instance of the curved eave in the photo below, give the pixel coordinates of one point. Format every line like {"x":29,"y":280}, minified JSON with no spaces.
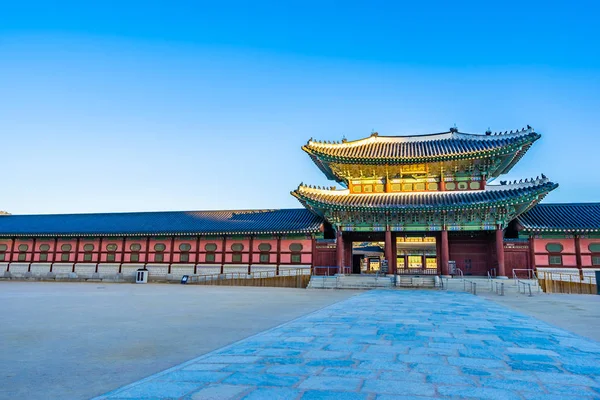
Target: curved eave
{"x":514,"y":160}
{"x":517,"y":148}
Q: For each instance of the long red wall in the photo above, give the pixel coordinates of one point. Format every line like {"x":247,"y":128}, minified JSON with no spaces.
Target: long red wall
{"x":282,"y":250}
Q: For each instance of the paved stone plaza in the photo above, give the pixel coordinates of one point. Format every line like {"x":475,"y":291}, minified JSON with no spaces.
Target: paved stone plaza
{"x":392,"y":345}
{"x":79,"y":340}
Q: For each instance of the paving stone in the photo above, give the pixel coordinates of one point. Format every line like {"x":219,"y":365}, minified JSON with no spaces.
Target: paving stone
{"x":451,"y":380}
{"x":350,"y":372}
{"x":379,"y":386}
{"x":531,"y":366}
{"x":566,"y":379}
{"x":279,"y":352}
{"x":373,"y":356}
{"x":421,"y":359}
{"x":334,"y":383}
{"x":282,"y":360}
{"x":509,"y":384}
{"x":292,"y":370}
{"x":327,"y":355}
{"x":345,"y":347}
{"x":402,"y":376}
{"x":478,"y":393}
{"x":476,"y":362}
{"x":569,"y":390}
{"x":220,"y":392}
{"x":330,"y":363}
{"x":521,"y":350}
{"x":244,"y":368}
{"x":475,"y":371}
{"x":272,"y":394}
{"x":247,"y":378}
{"x":330,"y":395}
{"x":156,"y":389}
{"x":384,"y":366}
{"x":547,"y":396}
{"x":531,"y":357}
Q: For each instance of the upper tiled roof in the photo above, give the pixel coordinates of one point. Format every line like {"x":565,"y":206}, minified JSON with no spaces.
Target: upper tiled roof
{"x":569,"y":217}
{"x":287,"y":221}
{"x":421,"y":148}
{"x":494,"y":194}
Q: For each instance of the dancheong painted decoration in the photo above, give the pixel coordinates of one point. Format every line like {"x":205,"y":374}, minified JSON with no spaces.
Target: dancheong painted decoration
{"x":422,"y":204}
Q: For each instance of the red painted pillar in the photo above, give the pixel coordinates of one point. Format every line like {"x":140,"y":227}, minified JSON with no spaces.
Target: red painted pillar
{"x":251,"y":255}
{"x":500,"y":251}
{"x":313,"y":256}
{"x":388,"y":248}
{"x":394,"y":260}
{"x":578,"y":255}
{"x":531,"y":252}
{"x":445,"y":252}
{"x":340,"y":251}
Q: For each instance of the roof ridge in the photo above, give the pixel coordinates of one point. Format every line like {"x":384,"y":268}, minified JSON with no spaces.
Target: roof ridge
{"x":157,"y":212}
{"x":374,"y":137}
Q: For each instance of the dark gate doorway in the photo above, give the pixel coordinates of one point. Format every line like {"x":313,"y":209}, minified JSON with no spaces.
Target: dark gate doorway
{"x":356,"y":262}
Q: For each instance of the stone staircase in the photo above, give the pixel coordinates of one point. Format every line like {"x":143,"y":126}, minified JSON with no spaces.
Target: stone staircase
{"x":417,"y":281}
{"x":370,"y":282}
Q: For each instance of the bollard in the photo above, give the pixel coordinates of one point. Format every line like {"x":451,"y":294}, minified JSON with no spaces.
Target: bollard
{"x":502,"y":289}
{"x":474,"y":288}
{"x":530,"y":295}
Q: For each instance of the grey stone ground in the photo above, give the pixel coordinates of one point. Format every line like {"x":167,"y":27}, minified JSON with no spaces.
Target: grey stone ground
{"x":577,"y":313}
{"x":390,"y":344}
{"x":79,"y":340}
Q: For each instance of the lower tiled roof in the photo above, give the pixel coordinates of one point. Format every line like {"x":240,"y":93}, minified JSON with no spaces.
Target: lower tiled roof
{"x":494,"y":194}
{"x":286,"y":221}
{"x":563,"y":217}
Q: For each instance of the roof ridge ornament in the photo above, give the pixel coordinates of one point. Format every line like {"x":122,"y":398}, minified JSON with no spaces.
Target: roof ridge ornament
{"x":454,"y":129}
{"x":488,"y":132}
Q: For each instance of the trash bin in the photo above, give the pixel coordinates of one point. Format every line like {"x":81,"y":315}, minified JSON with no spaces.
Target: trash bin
{"x":141,"y":275}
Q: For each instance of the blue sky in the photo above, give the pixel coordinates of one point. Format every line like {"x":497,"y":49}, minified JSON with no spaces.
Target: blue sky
{"x":135,"y":106}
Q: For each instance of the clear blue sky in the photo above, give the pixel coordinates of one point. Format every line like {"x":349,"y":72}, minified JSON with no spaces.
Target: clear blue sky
{"x":134,"y":106}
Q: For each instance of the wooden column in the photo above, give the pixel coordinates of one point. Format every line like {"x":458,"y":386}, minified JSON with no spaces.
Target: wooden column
{"x":278,"y":255}
{"x":11,"y":258}
{"x":394,"y":261}
{"x":500,"y":251}
{"x":531,"y":253}
{"x":578,"y":255}
{"x":445,"y":256}
{"x":171,"y":254}
{"x":250,"y":255}
{"x":76,"y":253}
{"x":313,"y":254}
{"x":223,"y":254}
{"x":388,"y":248}
{"x":99,"y":258}
{"x":147,"y":252}
{"x":578,"y":251}
{"x":340,"y":251}
{"x":33,"y":255}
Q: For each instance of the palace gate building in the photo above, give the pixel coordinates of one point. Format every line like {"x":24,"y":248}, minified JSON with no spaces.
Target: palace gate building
{"x":418,"y":204}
